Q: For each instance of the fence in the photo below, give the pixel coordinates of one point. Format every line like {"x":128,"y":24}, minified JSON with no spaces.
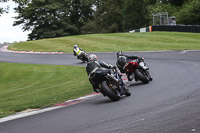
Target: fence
{"x":178,"y":28}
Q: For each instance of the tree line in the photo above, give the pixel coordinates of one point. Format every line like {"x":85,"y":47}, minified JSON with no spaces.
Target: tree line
{"x":57,"y":18}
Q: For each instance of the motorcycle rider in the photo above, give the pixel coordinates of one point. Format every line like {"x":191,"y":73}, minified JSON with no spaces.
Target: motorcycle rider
{"x":122,"y":59}
{"x":94,"y":65}
{"x":77,"y":51}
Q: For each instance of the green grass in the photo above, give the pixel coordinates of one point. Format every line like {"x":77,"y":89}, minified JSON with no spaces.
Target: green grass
{"x":149,"y":41}
{"x":28,"y":86}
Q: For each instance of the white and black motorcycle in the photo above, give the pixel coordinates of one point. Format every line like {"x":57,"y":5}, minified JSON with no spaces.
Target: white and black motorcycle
{"x":83,"y":56}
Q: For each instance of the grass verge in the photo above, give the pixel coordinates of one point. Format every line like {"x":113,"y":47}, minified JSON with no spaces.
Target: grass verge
{"x":151,"y":41}
{"x":28,"y":86}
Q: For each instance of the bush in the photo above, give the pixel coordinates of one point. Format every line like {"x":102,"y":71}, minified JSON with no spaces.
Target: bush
{"x":189,"y":14}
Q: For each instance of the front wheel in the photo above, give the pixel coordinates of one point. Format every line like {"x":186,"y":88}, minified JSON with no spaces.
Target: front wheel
{"x":105,"y":90}
{"x":141,"y":76}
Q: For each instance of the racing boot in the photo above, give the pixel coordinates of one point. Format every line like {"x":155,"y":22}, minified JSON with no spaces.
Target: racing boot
{"x":114,"y":79}
{"x":96,"y":90}
{"x":127,"y":93}
{"x":130,"y":76}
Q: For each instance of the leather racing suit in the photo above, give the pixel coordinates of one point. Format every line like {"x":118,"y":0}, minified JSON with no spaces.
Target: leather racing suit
{"x":77,"y":52}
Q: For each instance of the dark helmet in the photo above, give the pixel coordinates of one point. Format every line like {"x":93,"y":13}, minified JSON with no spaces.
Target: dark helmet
{"x":75,"y":46}
{"x":92,"y":57}
{"x":119,"y":53}
{"x":121,"y":61}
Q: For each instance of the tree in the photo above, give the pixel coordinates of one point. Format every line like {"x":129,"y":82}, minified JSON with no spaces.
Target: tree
{"x":80,"y":12}
{"x":3,"y":10}
{"x":189,"y":13}
{"x":43,"y":17}
{"x":56,"y":18}
{"x":134,"y":14}
{"x":178,"y":3}
{"x":50,"y":18}
{"x":107,"y":17}
{"x":150,"y":2}
{"x":160,"y":7}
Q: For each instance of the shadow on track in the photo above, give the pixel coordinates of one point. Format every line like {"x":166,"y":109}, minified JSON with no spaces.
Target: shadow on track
{"x":106,"y":100}
{"x":135,"y":84}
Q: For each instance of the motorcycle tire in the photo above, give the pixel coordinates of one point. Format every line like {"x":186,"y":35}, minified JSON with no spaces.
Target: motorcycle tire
{"x":108,"y":92}
{"x":141,"y":76}
{"x":85,"y":58}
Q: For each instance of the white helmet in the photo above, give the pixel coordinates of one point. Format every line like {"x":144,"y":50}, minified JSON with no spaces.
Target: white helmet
{"x":75,"y":46}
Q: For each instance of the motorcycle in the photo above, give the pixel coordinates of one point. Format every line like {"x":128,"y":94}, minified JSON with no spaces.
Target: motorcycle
{"x":83,"y":56}
{"x":111,"y":84}
{"x":138,"y":71}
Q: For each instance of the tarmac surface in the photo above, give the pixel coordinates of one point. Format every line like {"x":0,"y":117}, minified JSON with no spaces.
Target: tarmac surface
{"x":168,"y":104}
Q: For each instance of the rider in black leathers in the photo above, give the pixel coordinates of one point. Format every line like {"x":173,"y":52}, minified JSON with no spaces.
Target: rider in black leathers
{"x":95,"y":65}
{"x":122,"y":59}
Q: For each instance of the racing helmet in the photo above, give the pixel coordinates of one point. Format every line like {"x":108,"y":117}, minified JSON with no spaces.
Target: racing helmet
{"x":119,"y":53}
{"x":75,"y":46}
{"x":92,"y":57}
{"x":121,"y":61}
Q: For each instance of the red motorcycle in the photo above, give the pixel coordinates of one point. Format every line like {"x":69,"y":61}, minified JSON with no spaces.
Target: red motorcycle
{"x":137,"y":70}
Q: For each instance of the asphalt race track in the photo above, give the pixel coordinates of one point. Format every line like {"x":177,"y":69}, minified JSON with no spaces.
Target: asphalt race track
{"x":168,"y":104}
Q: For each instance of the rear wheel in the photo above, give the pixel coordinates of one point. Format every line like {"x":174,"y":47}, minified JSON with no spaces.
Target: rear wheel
{"x":85,"y":58}
{"x":113,"y":95}
{"x":141,"y":76}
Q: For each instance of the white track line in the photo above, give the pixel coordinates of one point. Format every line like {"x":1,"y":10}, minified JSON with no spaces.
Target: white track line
{"x":21,"y":115}
{"x":67,"y":103}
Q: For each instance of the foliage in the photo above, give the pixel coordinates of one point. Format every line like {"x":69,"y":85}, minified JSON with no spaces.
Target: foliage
{"x":57,"y":18}
{"x":150,"y":2}
{"x":178,"y":3}
{"x":189,"y":13}
{"x":3,"y":10}
{"x":134,"y":14}
{"x":90,"y":28}
{"x":160,"y":7}
{"x":108,"y":16}
{"x":52,"y":18}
